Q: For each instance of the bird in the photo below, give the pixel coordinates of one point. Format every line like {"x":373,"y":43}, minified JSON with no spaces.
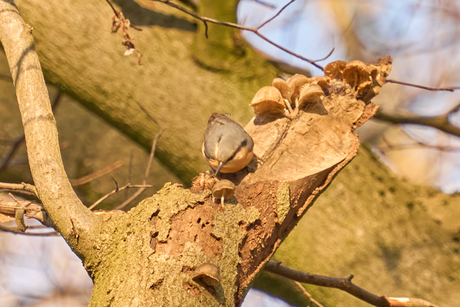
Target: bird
{"x":227,"y":147}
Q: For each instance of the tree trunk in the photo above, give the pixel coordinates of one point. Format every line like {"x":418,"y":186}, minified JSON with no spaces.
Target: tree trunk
{"x":86,"y":60}
{"x":148,"y":256}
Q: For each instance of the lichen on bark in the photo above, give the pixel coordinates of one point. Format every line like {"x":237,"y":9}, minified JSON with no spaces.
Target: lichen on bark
{"x":130,"y":265}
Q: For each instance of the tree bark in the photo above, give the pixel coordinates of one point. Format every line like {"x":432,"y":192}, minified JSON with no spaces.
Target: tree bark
{"x":71,"y":218}
{"x":148,"y":256}
{"x":86,"y":60}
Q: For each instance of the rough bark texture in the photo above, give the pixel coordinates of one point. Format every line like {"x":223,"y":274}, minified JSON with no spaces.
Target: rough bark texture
{"x":147,"y":256}
{"x":71,"y":218}
{"x":175,"y":231}
{"x":86,"y":60}
{"x":396,"y":238}
{"x":144,"y":257}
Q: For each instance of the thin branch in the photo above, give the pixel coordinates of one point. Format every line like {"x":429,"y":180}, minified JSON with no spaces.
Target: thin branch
{"x":31,"y":209}
{"x":16,"y":144}
{"x":440,"y":122}
{"x":19,"y":187}
{"x":428,"y":88}
{"x":265,"y":4}
{"x":148,"y":114}
{"x":417,"y":144}
{"x":276,"y":15}
{"x":307,"y":294}
{"x":128,"y":186}
{"x":237,"y":26}
{"x":149,"y":163}
{"x":130,"y":168}
{"x":327,"y":56}
{"x":96,"y":174}
{"x":147,"y":171}
{"x":16,"y":230}
{"x":344,"y":284}
{"x":21,"y":140}
{"x":113,"y":8}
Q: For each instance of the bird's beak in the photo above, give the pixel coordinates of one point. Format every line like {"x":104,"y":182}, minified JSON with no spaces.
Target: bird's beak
{"x":221,"y":164}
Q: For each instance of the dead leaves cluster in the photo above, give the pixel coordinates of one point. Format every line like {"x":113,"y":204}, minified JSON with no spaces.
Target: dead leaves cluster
{"x":119,"y":21}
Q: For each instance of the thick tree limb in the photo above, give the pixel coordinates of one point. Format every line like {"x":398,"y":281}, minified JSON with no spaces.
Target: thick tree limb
{"x":344,"y":284}
{"x":72,"y":219}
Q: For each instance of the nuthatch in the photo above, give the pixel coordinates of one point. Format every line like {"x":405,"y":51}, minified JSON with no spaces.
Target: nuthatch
{"x":226,"y":146}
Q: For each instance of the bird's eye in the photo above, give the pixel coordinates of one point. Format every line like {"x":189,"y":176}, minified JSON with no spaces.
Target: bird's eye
{"x":244,"y":143}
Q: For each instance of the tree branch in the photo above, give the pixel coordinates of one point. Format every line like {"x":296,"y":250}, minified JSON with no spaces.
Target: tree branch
{"x":31,"y":209}
{"x":237,"y":26}
{"x":344,"y":284}
{"x":428,"y":88}
{"x":440,"y":122}
{"x":149,"y":163}
{"x":72,"y":219}
{"x":15,"y":230}
{"x":128,"y":186}
{"x":276,"y":15}
{"x":19,"y":187}
{"x":97,"y":174}
{"x":20,"y":140}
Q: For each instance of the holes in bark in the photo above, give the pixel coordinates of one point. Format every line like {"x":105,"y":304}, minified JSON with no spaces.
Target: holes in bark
{"x":157,"y":284}
{"x":192,"y":225}
{"x":153,"y":240}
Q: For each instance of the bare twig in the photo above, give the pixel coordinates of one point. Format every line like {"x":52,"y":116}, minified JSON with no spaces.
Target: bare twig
{"x":112,"y":7}
{"x":16,"y":230}
{"x":21,"y":140}
{"x":96,"y":174}
{"x":147,"y":171}
{"x":265,"y":4}
{"x":128,"y":186}
{"x":417,"y":144}
{"x":237,"y":26}
{"x":276,"y":15}
{"x":344,"y":284}
{"x":149,"y":163}
{"x":428,"y":88}
{"x":16,"y":144}
{"x":130,"y":167}
{"x":307,"y":294}
{"x":327,"y":56}
{"x":31,"y":209}
{"x":440,"y":122}
{"x":19,"y":187}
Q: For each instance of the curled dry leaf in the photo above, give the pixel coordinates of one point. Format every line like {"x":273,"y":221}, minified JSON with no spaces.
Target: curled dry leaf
{"x":268,"y":100}
{"x":207,"y":273}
